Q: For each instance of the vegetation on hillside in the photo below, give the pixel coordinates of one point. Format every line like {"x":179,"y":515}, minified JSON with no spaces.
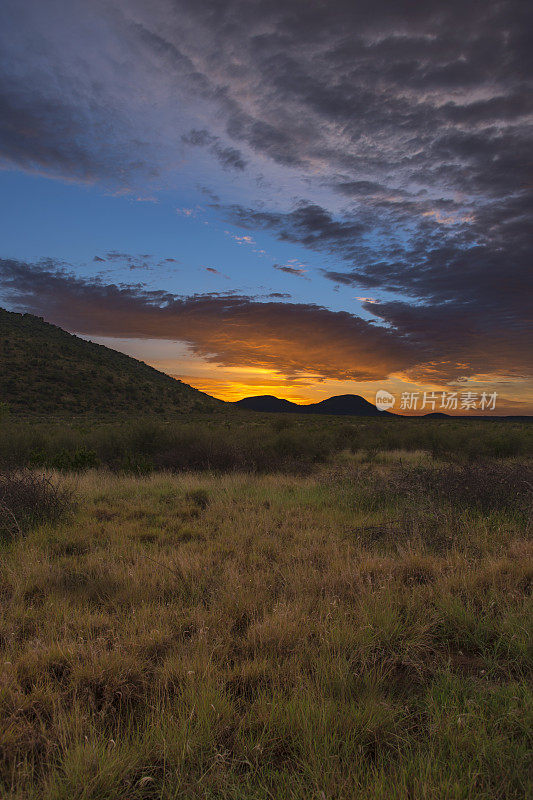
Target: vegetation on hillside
{"x":363,"y":631}
{"x":44,"y":370}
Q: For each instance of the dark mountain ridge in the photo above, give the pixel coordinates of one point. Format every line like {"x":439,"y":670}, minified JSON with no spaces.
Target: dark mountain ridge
{"x":347,"y":404}
{"x":44,"y":369}
{"x":351,"y":405}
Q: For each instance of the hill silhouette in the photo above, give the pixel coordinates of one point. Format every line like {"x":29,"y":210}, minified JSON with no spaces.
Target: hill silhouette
{"x":349,"y":404}
{"x":267,"y":402}
{"x":44,"y":369}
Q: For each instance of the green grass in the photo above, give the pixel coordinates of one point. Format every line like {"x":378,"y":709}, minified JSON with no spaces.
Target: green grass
{"x":360,"y":631}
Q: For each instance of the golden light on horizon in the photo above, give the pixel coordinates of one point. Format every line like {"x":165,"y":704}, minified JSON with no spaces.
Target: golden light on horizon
{"x":231,"y":383}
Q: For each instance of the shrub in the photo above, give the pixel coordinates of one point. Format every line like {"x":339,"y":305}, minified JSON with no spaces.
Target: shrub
{"x":255,"y":443}
{"x":199,"y":497}
{"x":28,"y":499}
{"x":76,"y":461}
{"x":281,"y":424}
{"x":487,"y":486}
{"x":137,"y":464}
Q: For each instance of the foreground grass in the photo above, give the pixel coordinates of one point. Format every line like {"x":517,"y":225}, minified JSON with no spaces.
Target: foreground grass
{"x":339,"y":635}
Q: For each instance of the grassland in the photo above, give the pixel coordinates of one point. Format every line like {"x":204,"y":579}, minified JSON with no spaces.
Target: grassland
{"x":361,"y":630}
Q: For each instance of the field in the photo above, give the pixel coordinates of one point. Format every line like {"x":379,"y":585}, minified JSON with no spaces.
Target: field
{"x":266,"y":608}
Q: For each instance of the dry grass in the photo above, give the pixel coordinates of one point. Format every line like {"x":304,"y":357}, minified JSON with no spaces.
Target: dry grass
{"x":245,"y":636}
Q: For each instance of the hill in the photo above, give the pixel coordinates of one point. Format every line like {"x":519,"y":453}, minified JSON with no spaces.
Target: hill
{"x":44,"y":369}
{"x":348,"y":404}
{"x":269,"y":403}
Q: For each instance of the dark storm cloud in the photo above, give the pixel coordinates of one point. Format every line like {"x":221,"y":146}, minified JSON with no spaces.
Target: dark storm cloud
{"x":197,"y":138}
{"x":228,"y":329}
{"x":41,"y":131}
{"x":385,"y":90}
{"x":290,"y":270}
{"x":461,"y":339}
{"x":483,"y":264}
{"x":308,"y":224}
{"x":361,"y":189}
{"x":145,"y":261}
{"x":471,"y":281}
{"x":435,"y":341}
{"x":229,"y":157}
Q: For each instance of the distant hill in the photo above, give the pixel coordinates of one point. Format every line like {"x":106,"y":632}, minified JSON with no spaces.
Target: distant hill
{"x":267,"y":402}
{"x":348,"y":404}
{"x":44,"y":369}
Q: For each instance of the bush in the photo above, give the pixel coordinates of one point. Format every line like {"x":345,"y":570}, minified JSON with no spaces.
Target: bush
{"x":28,"y":499}
{"x":487,"y":486}
{"x":254,"y":443}
{"x":4,"y":411}
{"x":75,"y":461}
{"x":199,"y":497}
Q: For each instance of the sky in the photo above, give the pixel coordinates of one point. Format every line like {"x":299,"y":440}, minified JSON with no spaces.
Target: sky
{"x":299,"y":198}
